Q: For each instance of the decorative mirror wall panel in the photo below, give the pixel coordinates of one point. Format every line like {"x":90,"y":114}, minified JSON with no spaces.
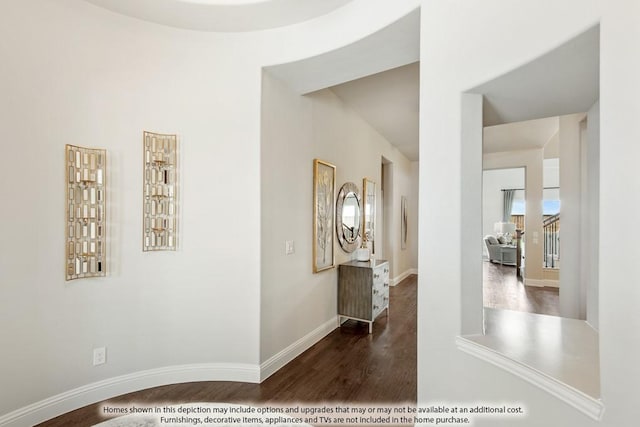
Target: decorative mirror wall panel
{"x":160,"y":193}
{"x":369,"y":212}
{"x":86,"y":212}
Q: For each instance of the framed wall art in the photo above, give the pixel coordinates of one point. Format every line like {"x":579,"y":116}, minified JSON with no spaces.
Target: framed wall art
{"x":403,"y":223}
{"x":324,"y":189}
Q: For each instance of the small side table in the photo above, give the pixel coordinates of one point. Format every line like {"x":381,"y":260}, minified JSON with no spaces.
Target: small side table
{"x":511,"y":251}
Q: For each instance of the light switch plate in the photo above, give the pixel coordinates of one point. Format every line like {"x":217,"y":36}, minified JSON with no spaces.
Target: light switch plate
{"x":289,"y":247}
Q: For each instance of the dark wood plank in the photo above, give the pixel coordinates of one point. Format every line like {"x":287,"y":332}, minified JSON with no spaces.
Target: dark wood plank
{"x":502,"y":289}
{"x":347,"y":366}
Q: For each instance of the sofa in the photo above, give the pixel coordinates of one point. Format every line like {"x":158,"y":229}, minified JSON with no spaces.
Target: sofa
{"x":499,"y":251}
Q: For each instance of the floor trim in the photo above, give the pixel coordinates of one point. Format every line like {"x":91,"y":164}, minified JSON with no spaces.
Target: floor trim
{"x":278,"y":360}
{"x":542,"y":283}
{"x":402,"y":276}
{"x":592,"y":407}
{"x":102,"y":390}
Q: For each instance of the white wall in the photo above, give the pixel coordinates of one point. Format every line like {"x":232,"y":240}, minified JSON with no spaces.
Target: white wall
{"x":552,"y":147}
{"x":590,"y":262}
{"x":75,"y":74}
{"x":619,"y":317}
{"x":472,"y":134}
{"x":551,"y":176}
{"x":412,"y":243}
{"x":297,"y":129}
{"x":403,"y":186}
{"x":572,"y":301}
{"x":481,"y":53}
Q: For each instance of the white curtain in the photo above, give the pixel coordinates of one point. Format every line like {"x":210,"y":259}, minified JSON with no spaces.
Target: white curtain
{"x":507,"y":204}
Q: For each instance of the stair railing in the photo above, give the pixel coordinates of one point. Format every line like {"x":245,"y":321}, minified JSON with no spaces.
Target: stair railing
{"x":551,"y":228}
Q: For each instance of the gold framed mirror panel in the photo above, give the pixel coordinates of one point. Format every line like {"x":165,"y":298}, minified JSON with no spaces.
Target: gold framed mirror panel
{"x":369,"y":213}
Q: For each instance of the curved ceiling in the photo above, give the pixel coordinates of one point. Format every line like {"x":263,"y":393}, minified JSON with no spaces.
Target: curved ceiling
{"x":562,"y":81}
{"x":389,"y":102}
{"x":525,"y":135}
{"x":222,"y":15}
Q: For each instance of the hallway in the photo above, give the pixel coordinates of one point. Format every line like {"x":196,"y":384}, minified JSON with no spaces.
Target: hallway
{"x":347,"y":366}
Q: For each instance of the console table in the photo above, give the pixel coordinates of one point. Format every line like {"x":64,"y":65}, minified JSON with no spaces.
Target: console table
{"x":363,"y":290}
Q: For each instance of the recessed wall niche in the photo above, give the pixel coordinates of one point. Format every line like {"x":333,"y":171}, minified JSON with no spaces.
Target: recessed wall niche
{"x":159,"y":192}
{"x":86,"y":222}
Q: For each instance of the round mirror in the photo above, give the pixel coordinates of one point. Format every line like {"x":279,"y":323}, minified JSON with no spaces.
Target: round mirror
{"x":348,"y":217}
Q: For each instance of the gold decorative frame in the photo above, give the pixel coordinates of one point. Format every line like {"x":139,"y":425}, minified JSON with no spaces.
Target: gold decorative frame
{"x":324,"y":190}
{"x":369,"y":212}
{"x":349,"y":238}
{"x":159,"y":192}
{"x":404,"y":222}
{"x":85,"y":173}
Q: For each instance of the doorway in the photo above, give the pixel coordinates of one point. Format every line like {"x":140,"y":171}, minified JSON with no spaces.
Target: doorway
{"x":386,"y":200}
{"x":504,"y":254}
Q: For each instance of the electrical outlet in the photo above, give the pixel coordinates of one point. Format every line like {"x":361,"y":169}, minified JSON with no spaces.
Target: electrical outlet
{"x":99,"y":356}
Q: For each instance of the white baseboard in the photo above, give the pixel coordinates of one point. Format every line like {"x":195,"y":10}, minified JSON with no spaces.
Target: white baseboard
{"x":106,"y":389}
{"x":102,"y":390}
{"x":402,"y":276}
{"x":541,"y":283}
{"x":278,"y":360}
{"x":590,"y":406}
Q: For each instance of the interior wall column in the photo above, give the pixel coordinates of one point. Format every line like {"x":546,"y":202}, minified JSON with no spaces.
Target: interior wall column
{"x":571,"y":303}
{"x":471,"y":219}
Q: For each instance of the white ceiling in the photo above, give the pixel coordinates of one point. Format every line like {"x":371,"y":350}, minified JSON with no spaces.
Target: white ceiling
{"x":563,"y":81}
{"x":525,"y":135}
{"x":389,"y":101}
{"x":396,"y":45}
{"x":222,"y":15}
{"x":378,"y":76}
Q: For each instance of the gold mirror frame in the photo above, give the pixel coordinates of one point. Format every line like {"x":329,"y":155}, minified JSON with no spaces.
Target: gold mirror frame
{"x":369,"y":213}
{"x":347,"y":189}
{"x":403,"y":223}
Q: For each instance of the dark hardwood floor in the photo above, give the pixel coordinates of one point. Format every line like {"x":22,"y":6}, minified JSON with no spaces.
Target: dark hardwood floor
{"x":503,"y":290}
{"x":348,"y":366}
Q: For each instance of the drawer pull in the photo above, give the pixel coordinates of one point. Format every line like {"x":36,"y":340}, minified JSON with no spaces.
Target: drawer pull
{"x":376,"y":276}
{"x":386,"y":285}
{"x":375,"y":307}
{"x":386,"y":270}
{"x":375,"y":292}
